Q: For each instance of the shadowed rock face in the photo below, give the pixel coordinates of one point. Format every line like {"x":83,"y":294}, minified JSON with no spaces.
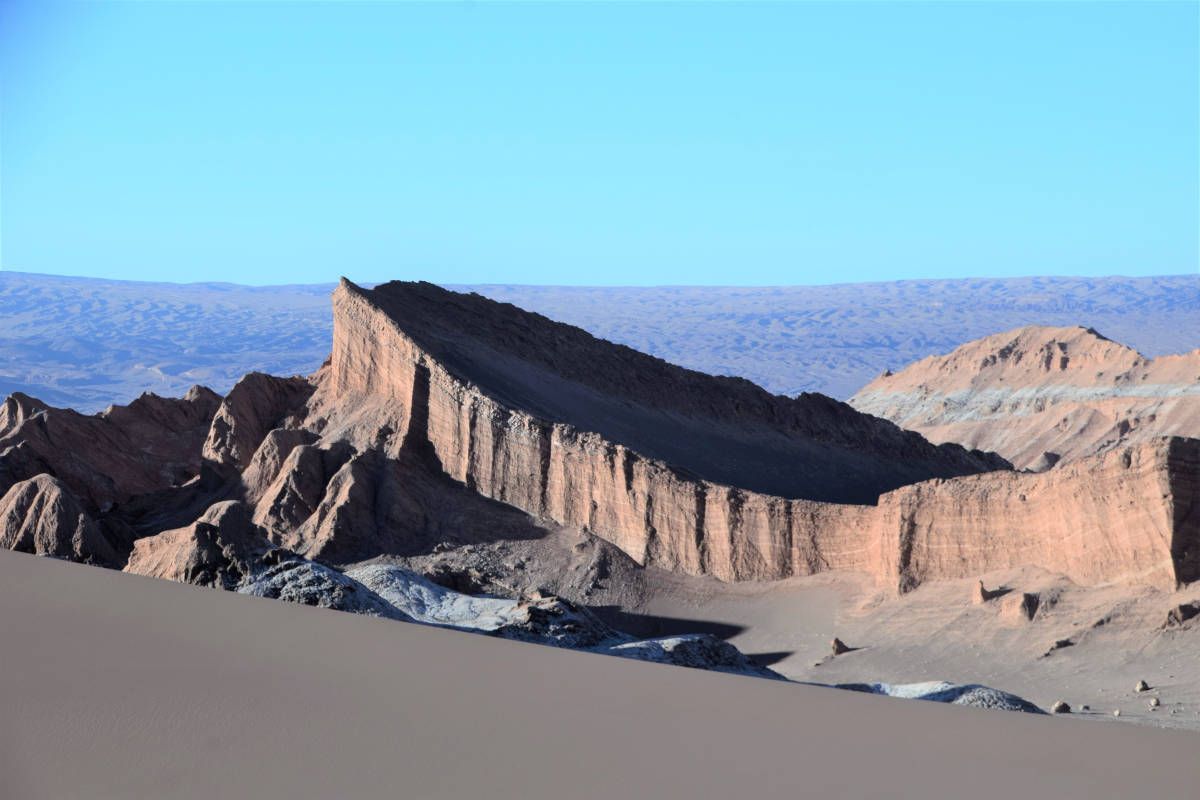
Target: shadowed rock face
{"x":1041,"y":395}
{"x":41,"y":516}
{"x":219,"y":549}
{"x":110,"y":457}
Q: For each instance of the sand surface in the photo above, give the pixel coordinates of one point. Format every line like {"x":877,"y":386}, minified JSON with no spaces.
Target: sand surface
{"x":1116,"y":637}
{"x":121,"y":686}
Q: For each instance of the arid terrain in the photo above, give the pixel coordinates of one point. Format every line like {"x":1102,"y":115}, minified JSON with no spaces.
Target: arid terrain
{"x":132,"y":687}
{"x":88,"y":343}
{"x":462,"y":463}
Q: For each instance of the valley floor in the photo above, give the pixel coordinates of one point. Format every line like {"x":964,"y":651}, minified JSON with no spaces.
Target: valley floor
{"x":1117,"y":633}
{"x":121,"y":686}
{"x":1108,"y":638}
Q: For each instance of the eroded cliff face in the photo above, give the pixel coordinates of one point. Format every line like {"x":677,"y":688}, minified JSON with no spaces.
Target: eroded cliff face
{"x":1110,"y":517}
{"x":474,"y":370}
{"x":1041,"y":395}
{"x":394,"y":384}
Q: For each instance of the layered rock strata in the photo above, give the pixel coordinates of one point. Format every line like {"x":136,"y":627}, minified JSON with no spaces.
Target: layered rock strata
{"x":507,"y":428}
{"x":1040,"y":395}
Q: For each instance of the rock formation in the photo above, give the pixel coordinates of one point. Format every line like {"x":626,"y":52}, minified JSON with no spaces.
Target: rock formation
{"x":256,"y":405}
{"x":219,"y":549}
{"x":40,"y":515}
{"x":545,"y":418}
{"x":110,"y":457}
{"x":500,"y":393}
{"x":443,"y":417}
{"x":1040,"y":395}
{"x":972,"y":695}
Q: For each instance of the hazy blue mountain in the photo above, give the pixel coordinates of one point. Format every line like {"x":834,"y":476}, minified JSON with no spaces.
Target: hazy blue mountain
{"x":85,"y":342}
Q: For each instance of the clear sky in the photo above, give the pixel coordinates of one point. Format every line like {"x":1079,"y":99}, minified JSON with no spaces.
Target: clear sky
{"x":598,"y":143}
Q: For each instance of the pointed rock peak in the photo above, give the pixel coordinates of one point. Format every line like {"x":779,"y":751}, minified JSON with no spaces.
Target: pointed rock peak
{"x":198,"y":393}
{"x":17,"y":408}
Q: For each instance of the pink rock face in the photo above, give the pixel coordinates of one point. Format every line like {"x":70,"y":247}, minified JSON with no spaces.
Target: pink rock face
{"x":514,"y":430}
{"x":1037,"y":395}
{"x":1125,"y":514}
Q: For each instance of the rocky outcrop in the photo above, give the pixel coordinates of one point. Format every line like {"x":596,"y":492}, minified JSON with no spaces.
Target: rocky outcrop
{"x":41,"y":516}
{"x":107,"y":458}
{"x":696,"y":650}
{"x":256,"y":405}
{"x":219,"y":549}
{"x":391,"y":592}
{"x":268,"y":461}
{"x":544,"y":619}
{"x":284,"y":576}
{"x":1041,"y":396}
{"x":971,"y":694}
{"x":299,"y":485}
{"x":585,"y":434}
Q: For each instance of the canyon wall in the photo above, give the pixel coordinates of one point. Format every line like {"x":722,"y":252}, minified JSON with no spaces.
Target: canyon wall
{"x":1128,"y":514}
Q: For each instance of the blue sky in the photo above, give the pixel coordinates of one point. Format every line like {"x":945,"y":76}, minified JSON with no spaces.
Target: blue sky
{"x":598,"y":143}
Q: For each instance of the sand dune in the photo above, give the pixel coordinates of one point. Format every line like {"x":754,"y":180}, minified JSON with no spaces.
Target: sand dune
{"x":121,"y":686}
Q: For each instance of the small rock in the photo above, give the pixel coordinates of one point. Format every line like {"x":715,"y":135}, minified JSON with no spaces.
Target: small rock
{"x":1060,"y":707}
{"x":1154,"y":703}
{"x":1142,"y":686}
{"x":838,"y":646}
{"x":1117,"y":712}
{"x":1059,"y":645}
{"x":1085,"y":708}
{"x":980,"y":595}
{"x":1181,"y":614}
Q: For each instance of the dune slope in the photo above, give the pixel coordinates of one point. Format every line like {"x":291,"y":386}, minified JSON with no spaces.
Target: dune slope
{"x":125,"y":686}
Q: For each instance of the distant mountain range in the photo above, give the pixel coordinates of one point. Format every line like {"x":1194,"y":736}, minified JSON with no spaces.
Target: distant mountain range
{"x":86,"y":343}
